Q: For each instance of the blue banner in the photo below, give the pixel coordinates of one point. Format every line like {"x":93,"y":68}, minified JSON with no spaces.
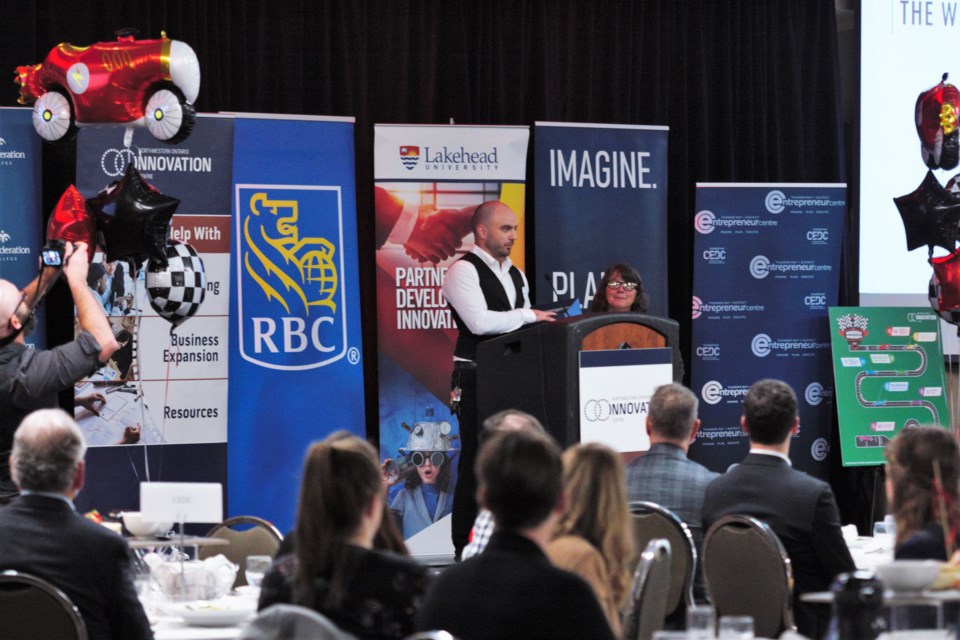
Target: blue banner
{"x":766,"y":268}
{"x":21,"y":218}
{"x":173,"y":385}
{"x":295,"y":342}
{"x":601,"y":198}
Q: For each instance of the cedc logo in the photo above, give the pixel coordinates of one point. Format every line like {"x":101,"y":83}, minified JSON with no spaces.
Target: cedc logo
{"x":290,"y":298}
{"x":409,"y":156}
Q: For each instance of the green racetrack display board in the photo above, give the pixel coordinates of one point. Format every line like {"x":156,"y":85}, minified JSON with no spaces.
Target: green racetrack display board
{"x":888,"y":375}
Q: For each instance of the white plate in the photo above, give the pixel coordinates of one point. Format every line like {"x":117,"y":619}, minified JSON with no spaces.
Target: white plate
{"x":216,"y":613}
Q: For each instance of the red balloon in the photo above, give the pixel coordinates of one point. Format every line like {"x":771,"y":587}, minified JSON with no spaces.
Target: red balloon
{"x":937,"y":114}
{"x":946,"y":272}
{"x":71,"y":221}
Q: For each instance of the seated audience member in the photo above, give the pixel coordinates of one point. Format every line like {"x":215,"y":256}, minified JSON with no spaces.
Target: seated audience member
{"x":334,"y":568}
{"x":506,"y":420}
{"x":800,"y":509}
{"x":594,"y":538}
{"x":919,"y":500}
{"x":41,"y":533}
{"x":620,"y":289}
{"x":511,"y":590}
{"x":664,"y":474}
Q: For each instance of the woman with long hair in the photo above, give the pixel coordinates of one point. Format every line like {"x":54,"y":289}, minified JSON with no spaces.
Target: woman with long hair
{"x":334,"y":568}
{"x":620,"y":289}
{"x":923,"y":472}
{"x":594,"y":538}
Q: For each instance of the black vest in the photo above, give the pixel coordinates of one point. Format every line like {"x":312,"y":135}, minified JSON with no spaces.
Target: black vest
{"x":496,"y":299}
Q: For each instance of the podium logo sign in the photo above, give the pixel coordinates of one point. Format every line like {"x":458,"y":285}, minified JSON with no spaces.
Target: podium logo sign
{"x":290,"y":270}
{"x":615,"y":391}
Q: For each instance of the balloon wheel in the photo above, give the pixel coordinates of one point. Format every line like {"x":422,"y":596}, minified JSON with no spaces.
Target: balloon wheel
{"x":166,"y":115}
{"x":52,"y":116}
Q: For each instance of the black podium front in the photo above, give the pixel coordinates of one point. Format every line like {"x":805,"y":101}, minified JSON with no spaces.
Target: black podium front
{"x":536,"y":369}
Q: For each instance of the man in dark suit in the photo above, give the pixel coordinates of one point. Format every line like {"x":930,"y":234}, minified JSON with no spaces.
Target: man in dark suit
{"x":800,"y":509}
{"x":41,"y":533}
{"x":511,"y":590}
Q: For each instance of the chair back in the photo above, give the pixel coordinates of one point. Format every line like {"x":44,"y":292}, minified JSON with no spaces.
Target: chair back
{"x":31,"y":607}
{"x":748,"y":573}
{"x":284,"y":621}
{"x":248,"y":536}
{"x":651,"y":521}
{"x":648,"y":597}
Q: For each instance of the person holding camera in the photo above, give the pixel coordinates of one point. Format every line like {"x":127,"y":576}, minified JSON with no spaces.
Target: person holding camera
{"x":30,"y":379}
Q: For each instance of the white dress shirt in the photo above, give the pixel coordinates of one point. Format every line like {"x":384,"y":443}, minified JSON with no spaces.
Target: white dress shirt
{"x":461,"y":288}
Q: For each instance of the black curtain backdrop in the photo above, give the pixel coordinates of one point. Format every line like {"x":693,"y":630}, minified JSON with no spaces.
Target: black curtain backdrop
{"x":749,"y":88}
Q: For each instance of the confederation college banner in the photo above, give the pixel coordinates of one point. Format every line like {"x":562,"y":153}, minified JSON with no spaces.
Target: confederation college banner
{"x":295,"y":345}
{"x":766,"y":269}
{"x":601,"y":198}
{"x":429,"y":180}
{"x":21,"y":220}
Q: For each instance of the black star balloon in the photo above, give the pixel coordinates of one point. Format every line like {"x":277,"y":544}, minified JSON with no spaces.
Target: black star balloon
{"x":930,"y":215}
{"x":134,"y":218}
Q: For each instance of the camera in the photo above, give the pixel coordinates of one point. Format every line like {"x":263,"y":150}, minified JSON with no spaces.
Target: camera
{"x":52,"y":253}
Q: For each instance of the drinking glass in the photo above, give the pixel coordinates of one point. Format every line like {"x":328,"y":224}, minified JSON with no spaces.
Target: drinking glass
{"x":256,"y":567}
{"x":736,"y":628}
{"x":701,"y":622}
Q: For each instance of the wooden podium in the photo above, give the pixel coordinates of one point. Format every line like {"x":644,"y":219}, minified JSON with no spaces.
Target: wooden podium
{"x":536,"y":369}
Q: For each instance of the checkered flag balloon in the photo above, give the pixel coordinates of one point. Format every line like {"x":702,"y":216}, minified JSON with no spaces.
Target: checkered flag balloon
{"x":176,"y":289}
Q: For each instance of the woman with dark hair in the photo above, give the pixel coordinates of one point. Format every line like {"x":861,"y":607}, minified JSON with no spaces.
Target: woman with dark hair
{"x":620,"y":289}
{"x":424,"y":498}
{"x":334,"y":568}
{"x":923,"y":471}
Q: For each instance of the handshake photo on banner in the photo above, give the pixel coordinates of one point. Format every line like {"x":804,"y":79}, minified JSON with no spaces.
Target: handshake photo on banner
{"x":428,"y":234}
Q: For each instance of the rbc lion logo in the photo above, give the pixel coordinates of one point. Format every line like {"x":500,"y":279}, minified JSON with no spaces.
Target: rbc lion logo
{"x":289,"y":266}
{"x":409,"y":156}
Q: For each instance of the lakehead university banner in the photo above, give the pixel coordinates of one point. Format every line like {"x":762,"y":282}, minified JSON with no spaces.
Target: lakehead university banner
{"x":429,"y":181}
{"x":601,"y":198}
{"x":295,"y":345}
{"x":766,"y":268}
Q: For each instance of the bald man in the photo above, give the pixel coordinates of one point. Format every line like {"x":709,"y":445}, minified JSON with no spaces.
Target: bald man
{"x":488,"y":296}
{"x":30,"y":379}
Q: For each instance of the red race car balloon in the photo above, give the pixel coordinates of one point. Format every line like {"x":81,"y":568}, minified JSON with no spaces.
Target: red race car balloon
{"x":146,"y":83}
{"x":72,"y":222}
{"x":936,"y":115}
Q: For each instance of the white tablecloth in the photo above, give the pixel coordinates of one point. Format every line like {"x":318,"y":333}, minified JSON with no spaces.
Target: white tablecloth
{"x":170,"y":628}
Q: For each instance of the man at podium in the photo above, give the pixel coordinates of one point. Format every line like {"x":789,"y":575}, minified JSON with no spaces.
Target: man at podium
{"x":488,"y":296}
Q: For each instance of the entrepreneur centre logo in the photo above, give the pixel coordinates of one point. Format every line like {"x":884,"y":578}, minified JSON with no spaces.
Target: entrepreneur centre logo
{"x":291,"y":299}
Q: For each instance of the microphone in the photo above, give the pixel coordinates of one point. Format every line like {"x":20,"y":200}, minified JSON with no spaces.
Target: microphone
{"x":566,"y":312}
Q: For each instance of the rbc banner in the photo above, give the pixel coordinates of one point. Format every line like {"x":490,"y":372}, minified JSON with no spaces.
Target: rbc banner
{"x":766,"y":268}
{"x":295,"y":354}
{"x":601,"y":198}
{"x":21,"y":218}
{"x":429,"y":181}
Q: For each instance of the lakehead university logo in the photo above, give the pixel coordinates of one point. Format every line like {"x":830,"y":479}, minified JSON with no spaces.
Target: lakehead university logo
{"x":409,"y":156}
{"x":291,"y":299}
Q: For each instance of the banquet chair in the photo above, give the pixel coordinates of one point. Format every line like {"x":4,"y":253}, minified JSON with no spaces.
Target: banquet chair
{"x":31,"y":607}
{"x":650,"y":520}
{"x":248,"y":536}
{"x":647,"y":608}
{"x":748,"y":573}
{"x":284,"y":621}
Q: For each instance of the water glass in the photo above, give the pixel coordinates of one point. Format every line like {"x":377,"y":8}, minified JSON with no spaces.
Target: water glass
{"x":736,"y":628}
{"x":256,"y":567}
{"x":701,"y":622}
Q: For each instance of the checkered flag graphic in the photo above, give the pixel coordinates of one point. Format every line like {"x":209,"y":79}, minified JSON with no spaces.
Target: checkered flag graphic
{"x":177,"y":289}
